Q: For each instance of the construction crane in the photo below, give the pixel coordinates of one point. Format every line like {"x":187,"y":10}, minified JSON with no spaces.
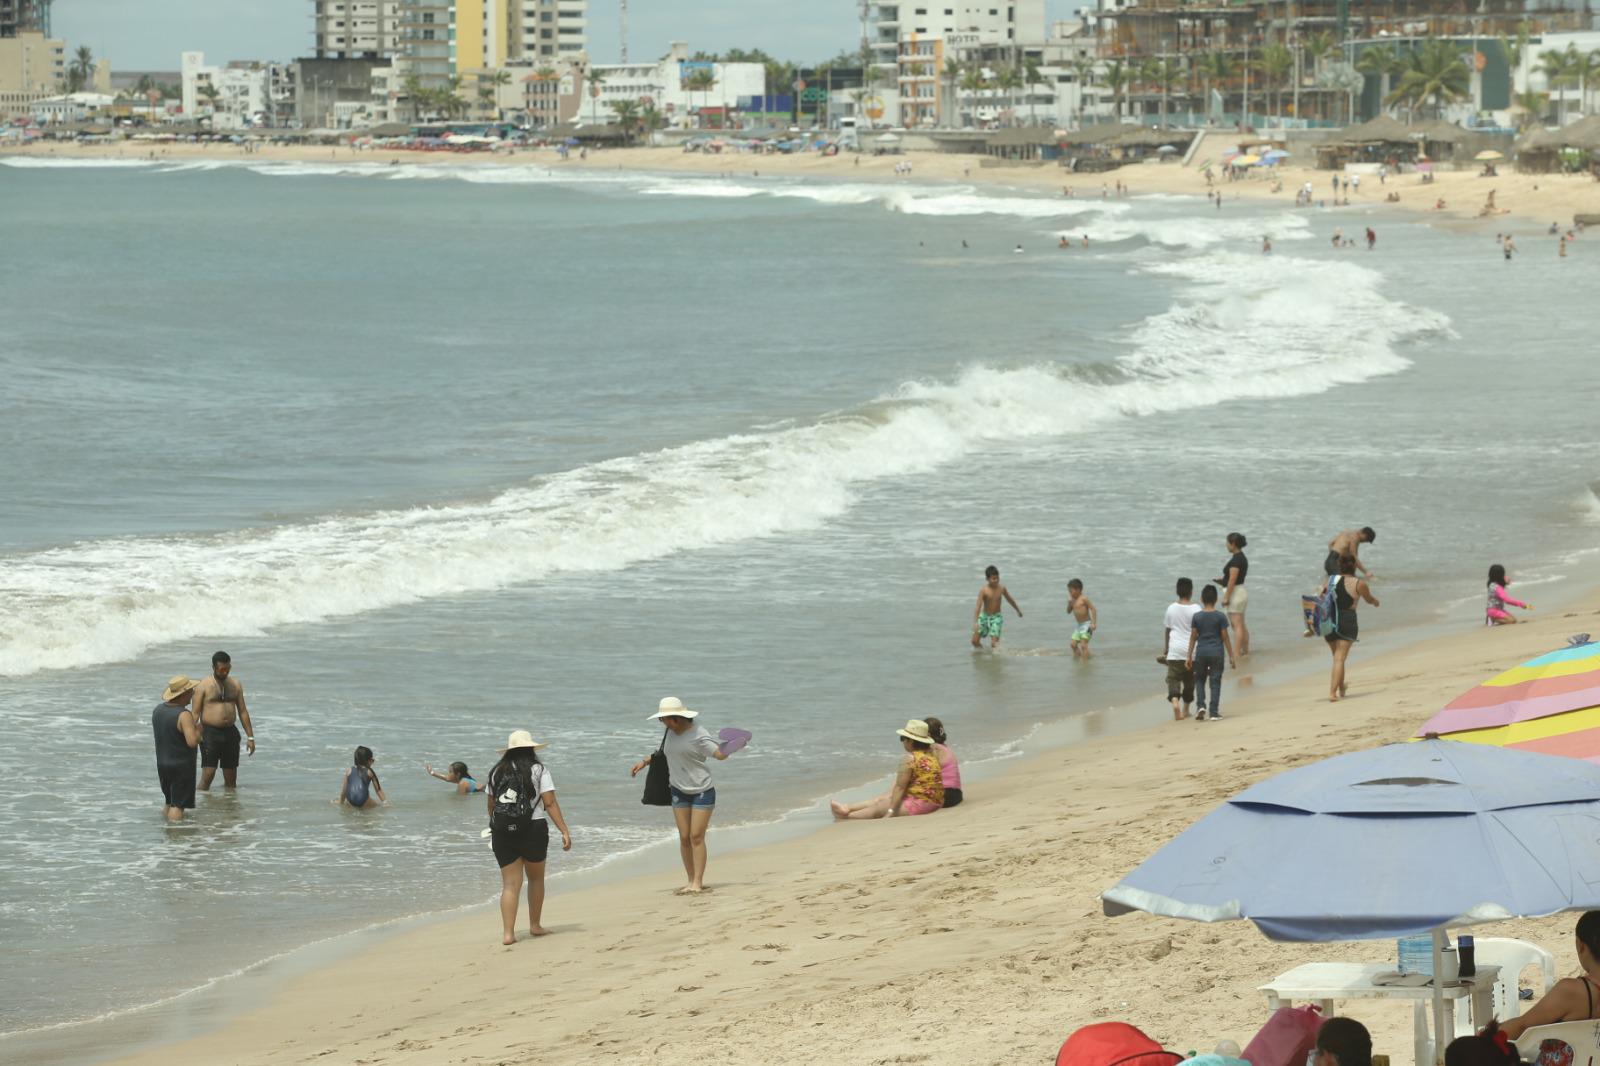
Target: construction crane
{"x":623,"y":27}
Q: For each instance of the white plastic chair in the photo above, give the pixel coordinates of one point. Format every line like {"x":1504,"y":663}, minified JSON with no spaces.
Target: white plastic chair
{"x":1512,"y":956}
{"x":1583,"y":1037}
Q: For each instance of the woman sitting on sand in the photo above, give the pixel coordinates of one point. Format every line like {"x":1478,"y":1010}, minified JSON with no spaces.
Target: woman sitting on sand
{"x":949,"y":768}
{"x":1573,"y":999}
{"x":1348,"y":591}
{"x":918,"y":786}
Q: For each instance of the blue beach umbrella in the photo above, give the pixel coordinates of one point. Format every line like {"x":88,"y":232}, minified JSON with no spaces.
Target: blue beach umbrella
{"x":1399,"y":840}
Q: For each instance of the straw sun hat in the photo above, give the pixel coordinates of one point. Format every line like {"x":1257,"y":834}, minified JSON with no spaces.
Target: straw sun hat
{"x":177,"y":687}
{"x":672,"y":707}
{"x":916,"y":730}
{"x":521,"y":739}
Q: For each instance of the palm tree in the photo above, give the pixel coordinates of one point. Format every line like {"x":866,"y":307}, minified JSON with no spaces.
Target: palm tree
{"x":952,"y":77}
{"x":1381,"y":61}
{"x":1436,"y":73}
{"x":974,"y":82}
{"x":496,"y":81}
{"x":703,"y":80}
{"x":1008,"y":81}
{"x":80,"y":70}
{"x":1031,"y":76}
{"x":1083,"y":67}
{"x":627,"y":116}
{"x":1515,"y":49}
{"x":1277,"y":63}
{"x":1164,"y":74}
{"x":1560,"y":70}
{"x":1116,"y":77}
{"x":1532,"y":105}
{"x":1215,"y":67}
{"x":210,"y":92}
{"x":592,"y":81}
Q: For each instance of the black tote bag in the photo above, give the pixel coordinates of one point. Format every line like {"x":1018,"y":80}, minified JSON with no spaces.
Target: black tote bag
{"x":657,"y":788}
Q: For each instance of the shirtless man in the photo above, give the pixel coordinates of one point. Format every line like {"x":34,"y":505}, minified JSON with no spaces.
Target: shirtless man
{"x":986,"y":616}
{"x":219,"y":704}
{"x":1346,"y":545}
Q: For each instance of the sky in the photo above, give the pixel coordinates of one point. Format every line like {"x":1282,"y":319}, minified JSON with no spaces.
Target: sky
{"x":149,"y":35}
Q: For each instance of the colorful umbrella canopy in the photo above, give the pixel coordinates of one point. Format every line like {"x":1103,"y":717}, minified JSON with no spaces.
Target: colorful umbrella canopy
{"x":1245,"y":161}
{"x":1550,"y":704}
{"x":1488,"y":155}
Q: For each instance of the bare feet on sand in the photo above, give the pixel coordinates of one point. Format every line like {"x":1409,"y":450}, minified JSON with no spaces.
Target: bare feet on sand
{"x":690,"y":890}
{"x":538,"y":930}
{"x":840,"y":811}
{"x":509,"y":939}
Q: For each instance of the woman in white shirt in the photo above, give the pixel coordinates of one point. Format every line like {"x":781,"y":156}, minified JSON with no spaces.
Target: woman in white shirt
{"x":521,"y":796}
{"x":687,"y":747}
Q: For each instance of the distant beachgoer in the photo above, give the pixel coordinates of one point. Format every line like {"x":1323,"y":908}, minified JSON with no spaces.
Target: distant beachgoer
{"x":1266,"y":245}
{"x":522,"y":801}
{"x":1086,"y":240}
{"x":1570,"y":999}
{"x":918,"y":784}
{"x":1354,"y":182}
{"x":1018,"y":249}
{"x":361,"y":781}
{"x":687,"y":747}
{"x":1438,"y":204}
{"x":1495,"y":613}
{"x":219,"y":704}
{"x":1338,"y":238}
{"x":1348,"y":591}
{"x":1509,"y":247}
{"x":1562,"y":248}
{"x":1342,"y":1041}
{"x":1103,"y":191}
{"x":177,"y":733}
{"x":1554,"y":229}
{"x":1372,"y":238}
{"x":1347,"y":544}
{"x":1208,"y":642}
{"x":1235,"y":598}
{"x":458,"y":776}
{"x":1086,"y":617}
{"x":1064,"y":243}
{"x":949,"y":768}
{"x":1178,"y":623}
{"x":987,"y":616}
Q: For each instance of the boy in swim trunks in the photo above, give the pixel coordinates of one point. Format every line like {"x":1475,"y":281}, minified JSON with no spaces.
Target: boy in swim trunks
{"x":1084,"y":614}
{"x":986,"y":617}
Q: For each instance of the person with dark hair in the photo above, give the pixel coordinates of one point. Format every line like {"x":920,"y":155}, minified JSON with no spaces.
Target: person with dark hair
{"x":1234,"y":596}
{"x":949,"y":769}
{"x":1572,"y":999}
{"x":458,"y":776}
{"x":1345,"y":545}
{"x":1085,"y":616}
{"x":177,"y":733}
{"x":1495,"y":613}
{"x":219,"y":704}
{"x":687,"y":747}
{"x":1175,"y":650}
{"x":361,"y":781}
{"x":918,"y":784}
{"x":1492,"y":1047}
{"x":1208,"y":642}
{"x":521,"y":796}
{"x":1343,"y":1042}
{"x":1348,"y":591}
{"x":987,"y":618}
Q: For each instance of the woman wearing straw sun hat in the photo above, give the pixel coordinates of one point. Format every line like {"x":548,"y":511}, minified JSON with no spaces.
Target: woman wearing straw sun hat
{"x":687,"y":747}
{"x":918,"y":784}
{"x":177,"y":731}
{"x":521,"y":795}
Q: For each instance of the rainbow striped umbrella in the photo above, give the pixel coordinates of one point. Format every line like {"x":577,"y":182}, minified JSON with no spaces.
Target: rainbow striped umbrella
{"x":1550,"y":704}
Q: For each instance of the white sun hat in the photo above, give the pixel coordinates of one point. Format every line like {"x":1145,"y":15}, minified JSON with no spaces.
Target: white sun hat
{"x":522,"y":739}
{"x":672,"y":707}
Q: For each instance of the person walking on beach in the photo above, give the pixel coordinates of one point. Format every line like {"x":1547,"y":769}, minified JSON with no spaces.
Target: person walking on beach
{"x":687,"y":747}
{"x":1085,"y":615}
{"x":177,"y":733}
{"x":1495,"y":613}
{"x":1175,"y":650}
{"x":219,"y":704}
{"x":1372,"y":238}
{"x":1208,"y":642}
{"x":987,"y":619}
{"x":521,"y":797}
{"x":1348,"y":591}
{"x":1234,"y":597}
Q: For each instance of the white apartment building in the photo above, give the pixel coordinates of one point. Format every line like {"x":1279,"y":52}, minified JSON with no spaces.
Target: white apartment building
{"x":70,"y":107}
{"x":356,"y":29}
{"x":550,"y":29}
{"x":913,"y":42}
{"x":664,"y":84}
{"x":243,"y":92}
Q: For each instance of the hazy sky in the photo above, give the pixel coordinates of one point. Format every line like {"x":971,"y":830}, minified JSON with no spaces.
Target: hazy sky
{"x":149,"y":35}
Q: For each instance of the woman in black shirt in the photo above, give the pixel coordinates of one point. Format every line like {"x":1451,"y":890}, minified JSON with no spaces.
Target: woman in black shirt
{"x":1234,"y":597}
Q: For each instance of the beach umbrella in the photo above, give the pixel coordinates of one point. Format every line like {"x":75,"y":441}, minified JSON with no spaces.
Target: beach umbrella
{"x":1274,"y":154}
{"x":1245,"y":161}
{"x":1549,"y":704}
{"x":1488,"y":155}
{"x":1165,"y":148}
{"x":1404,"y":839}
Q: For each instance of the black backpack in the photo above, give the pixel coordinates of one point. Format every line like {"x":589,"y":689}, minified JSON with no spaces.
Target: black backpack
{"x":511,"y":801}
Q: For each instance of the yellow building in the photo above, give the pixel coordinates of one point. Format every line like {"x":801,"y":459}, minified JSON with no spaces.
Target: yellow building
{"x":32,"y":66}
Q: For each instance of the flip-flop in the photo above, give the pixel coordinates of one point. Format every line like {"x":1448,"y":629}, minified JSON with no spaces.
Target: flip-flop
{"x":732,"y":740}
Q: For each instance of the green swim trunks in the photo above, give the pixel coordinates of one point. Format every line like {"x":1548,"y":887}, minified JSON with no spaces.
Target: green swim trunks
{"x":1082,"y":633}
{"x":989,"y":625}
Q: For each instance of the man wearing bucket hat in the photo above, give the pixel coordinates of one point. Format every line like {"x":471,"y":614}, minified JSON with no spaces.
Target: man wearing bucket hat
{"x":687,"y":747}
{"x":177,"y":733}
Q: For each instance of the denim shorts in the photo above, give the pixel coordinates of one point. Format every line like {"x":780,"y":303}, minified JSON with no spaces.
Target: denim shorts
{"x":706,"y":799}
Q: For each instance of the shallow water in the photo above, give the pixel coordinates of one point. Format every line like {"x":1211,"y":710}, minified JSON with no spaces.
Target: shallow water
{"x":437,"y":453}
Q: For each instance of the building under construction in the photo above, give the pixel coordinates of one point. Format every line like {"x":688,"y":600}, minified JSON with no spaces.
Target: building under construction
{"x":20,"y":16}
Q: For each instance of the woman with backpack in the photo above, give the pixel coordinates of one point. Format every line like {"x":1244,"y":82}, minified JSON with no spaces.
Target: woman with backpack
{"x":1342,"y":627}
{"x":521,"y":797}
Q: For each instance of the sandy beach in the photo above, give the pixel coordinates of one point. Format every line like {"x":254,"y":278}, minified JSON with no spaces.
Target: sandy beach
{"x":1526,"y":198}
{"x":973,"y":936}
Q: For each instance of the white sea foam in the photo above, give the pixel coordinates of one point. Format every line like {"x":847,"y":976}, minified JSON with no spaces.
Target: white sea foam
{"x":26,"y":162}
{"x":1193,"y":231}
{"x":934,"y":200}
{"x":1247,"y":326}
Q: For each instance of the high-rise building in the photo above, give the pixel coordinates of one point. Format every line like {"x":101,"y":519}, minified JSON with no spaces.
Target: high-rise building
{"x":32,"y":66}
{"x":24,"y":16}
{"x":355,"y":29}
{"x":440,"y":39}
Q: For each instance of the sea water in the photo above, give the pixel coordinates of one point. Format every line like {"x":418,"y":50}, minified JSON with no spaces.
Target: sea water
{"x":439,"y":452}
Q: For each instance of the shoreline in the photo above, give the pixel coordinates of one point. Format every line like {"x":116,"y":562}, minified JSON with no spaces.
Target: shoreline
{"x":1004,"y":888}
{"x":1524,"y":198}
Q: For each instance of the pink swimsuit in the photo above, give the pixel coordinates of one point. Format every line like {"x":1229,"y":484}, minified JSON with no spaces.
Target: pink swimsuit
{"x":1496,"y":609}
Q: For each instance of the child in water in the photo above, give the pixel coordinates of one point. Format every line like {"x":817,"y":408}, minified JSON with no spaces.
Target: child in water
{"x":360,"y":781}
{"x":458,"y":776}
{"x":986,"y":617}
{"x":1495,"y":613}
{"x":1085,"y":616}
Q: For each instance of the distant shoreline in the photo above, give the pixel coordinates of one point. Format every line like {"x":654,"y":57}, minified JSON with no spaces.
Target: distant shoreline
{"x":1525,"y":198}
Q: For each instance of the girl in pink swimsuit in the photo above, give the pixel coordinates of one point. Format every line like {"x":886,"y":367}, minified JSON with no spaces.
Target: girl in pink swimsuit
{"x":949,"y":769}
{"x":1495,"y":613}
{"x":918,"y":785}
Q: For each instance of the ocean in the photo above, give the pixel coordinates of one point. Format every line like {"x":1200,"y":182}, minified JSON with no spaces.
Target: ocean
{"x":439,"y":452}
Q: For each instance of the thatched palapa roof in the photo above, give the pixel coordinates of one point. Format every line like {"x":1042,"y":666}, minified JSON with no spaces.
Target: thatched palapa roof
{"x":1380,"y":130}
{"x":1022,"y":136}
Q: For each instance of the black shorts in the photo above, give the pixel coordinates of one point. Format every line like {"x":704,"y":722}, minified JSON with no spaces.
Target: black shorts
{"x":219,"y":746}
{"x":1330,"y":565}
{"x":177,"y":785}
{"x":952,"y":797}
{"x":527,"y":839}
